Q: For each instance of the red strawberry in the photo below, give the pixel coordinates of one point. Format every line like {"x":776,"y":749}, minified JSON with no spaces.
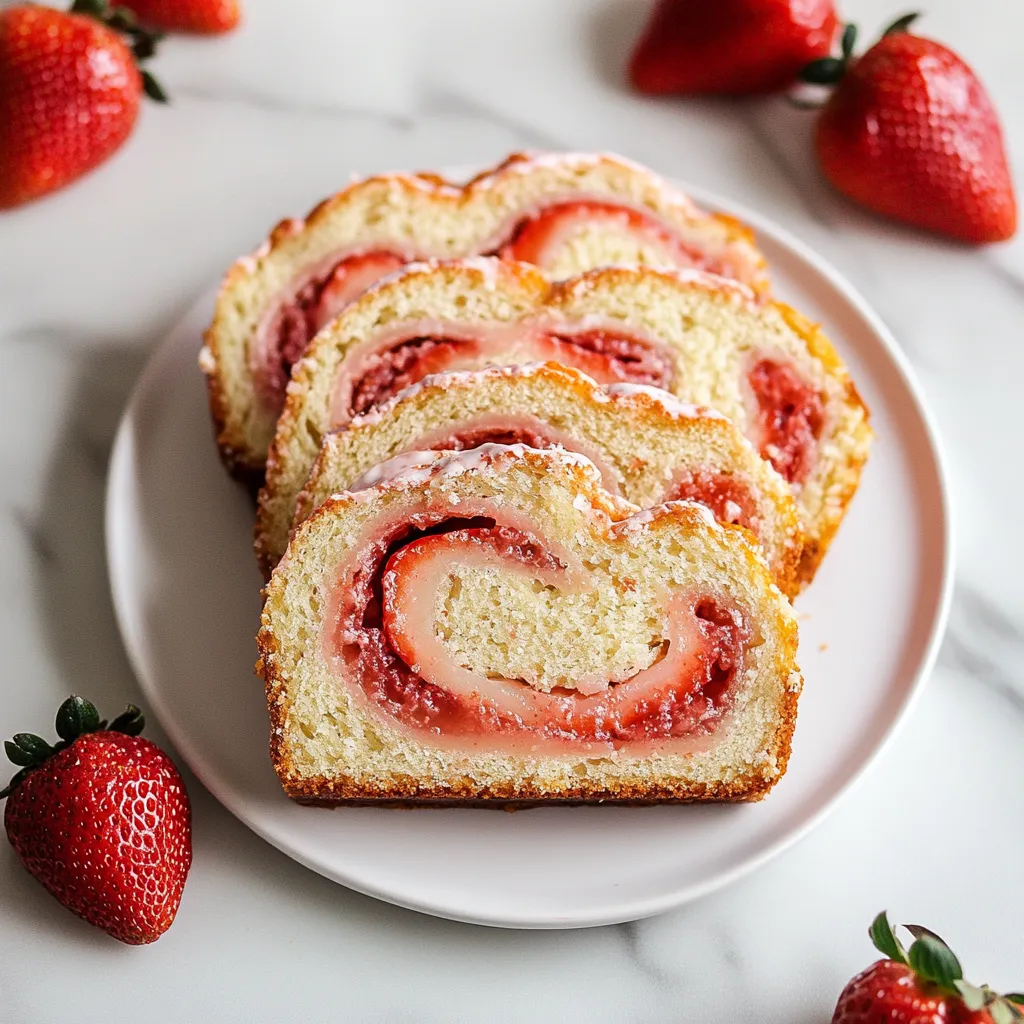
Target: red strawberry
{"x":911,"y":133}
{"x":730,"y":46}
{"x":69,"y":93}
{"x":207,"y":17}
{"x":922,"y":985}
{"x":102,"y":819}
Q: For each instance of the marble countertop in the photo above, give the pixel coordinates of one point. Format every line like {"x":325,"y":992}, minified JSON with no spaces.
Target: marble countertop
{"x":265,"y":123}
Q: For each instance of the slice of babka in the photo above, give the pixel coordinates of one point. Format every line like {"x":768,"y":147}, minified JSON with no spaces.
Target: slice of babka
{"x":648,"y":447}
{"x":493,"y":626}
{"x":707,"y":340}
{"x":564,"y":212}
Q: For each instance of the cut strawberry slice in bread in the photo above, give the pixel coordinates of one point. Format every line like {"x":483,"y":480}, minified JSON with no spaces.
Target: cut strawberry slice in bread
{"x":647,"y":446}
{"x":494,"y":626}
{"x":707,"y":340}
{"x":570,"y":212}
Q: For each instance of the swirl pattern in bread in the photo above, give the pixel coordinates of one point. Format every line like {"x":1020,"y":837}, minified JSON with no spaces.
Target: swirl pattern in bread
{"x":707,"y":340}
{"x":648,"y":447}
{"x":566,"y":212}
{"x":494,"y":627}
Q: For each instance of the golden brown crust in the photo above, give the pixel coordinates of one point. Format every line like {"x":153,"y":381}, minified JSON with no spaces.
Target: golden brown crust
{"x":847,"y":476}
{"x":408,"y":791}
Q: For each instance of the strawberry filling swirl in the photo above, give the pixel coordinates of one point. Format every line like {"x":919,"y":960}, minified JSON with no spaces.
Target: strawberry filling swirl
{"x":316,"y":299}
{"x":790,"y":418}
{"x":541,"y":235}
{"x":387,"y":364}
{"x":384,"y":642}
{"x":729,"y":498}
{"x":323,"y":290}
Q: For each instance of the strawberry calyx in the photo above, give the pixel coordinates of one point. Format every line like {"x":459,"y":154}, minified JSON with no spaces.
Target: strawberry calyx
{"x":143,"y":41}
{"x":934,"y":963}
{"x":75,"y":717}
{"x":829,"y":70}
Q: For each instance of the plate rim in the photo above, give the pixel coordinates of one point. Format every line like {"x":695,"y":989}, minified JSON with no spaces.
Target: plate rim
{"x":632,"y":909}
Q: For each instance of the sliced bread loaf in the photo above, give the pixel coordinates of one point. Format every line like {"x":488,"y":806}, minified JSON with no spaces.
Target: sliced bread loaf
{"x":648,"y":447}
{"x":707,"y":340}
{"x":492,"y":626}
{"x":567,"y":212}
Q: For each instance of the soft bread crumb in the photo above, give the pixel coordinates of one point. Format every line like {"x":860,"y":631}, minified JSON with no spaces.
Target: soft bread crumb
{"x":643,"y":436}
{"x":423,"y":214}
{"x":329,"y":746}
{"x":711,"y":328}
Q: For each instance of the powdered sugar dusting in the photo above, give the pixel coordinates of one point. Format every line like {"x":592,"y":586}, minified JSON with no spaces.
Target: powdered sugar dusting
{"x":393,"y":468}
{"x":673,"y":406}
{"x":417,"y":468}
{"x":449,"y":379}
{"x":710,"y":281}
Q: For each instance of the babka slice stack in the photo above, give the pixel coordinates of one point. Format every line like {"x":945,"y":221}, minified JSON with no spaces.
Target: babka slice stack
{"x":493,"y":626}
{"x":529,"y":528}
{"x":564,"y":212}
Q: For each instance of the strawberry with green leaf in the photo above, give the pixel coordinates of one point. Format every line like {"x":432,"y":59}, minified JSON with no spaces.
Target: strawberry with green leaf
{"x":70,"y":88}
{"x":101,"y":818}
{"x":920,"y":984}
{"x":910,"y":132}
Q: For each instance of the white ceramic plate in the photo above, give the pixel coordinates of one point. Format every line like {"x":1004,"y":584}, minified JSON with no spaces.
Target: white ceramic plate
{"x":186,"y":591}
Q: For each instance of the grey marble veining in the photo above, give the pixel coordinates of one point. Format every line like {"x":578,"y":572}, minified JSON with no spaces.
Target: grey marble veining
{"x":266,"y":123}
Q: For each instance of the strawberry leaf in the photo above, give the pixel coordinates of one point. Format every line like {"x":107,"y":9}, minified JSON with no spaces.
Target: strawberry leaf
{"x":885,"y":940}
{"x":931,"y":959}
{"x":849,"y":40}
{"x":124,"y":20}
{"x":152,"y":88}
{"x":974,"y":998}
{"x":92,"y":8}
{"x":1015,"y":997}
{"x":131,"y":721}
{"x":902,"y":23}
{"x":919,"y":930}
{"x":823,"y":71}
{"x":75,"y":717}
{"x":20,"y":757}
{"x":1001,"y":1012}
{"x":34,"y":746}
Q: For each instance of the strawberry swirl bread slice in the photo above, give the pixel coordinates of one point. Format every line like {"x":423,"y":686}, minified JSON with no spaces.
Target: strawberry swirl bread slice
{"x":648,"y":447}
{"x":493,"y":626}
{"x":565,"y":212}
{"x":703,"y":338}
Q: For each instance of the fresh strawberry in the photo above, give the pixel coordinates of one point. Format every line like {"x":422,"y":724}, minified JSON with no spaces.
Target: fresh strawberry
{"x":920,"y":985}
{"x":730,"y":46}
{"x":911,"y":133}
{"x":207,"y":17}
{"x":69,"y":93}
{"x":102,"y":819}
